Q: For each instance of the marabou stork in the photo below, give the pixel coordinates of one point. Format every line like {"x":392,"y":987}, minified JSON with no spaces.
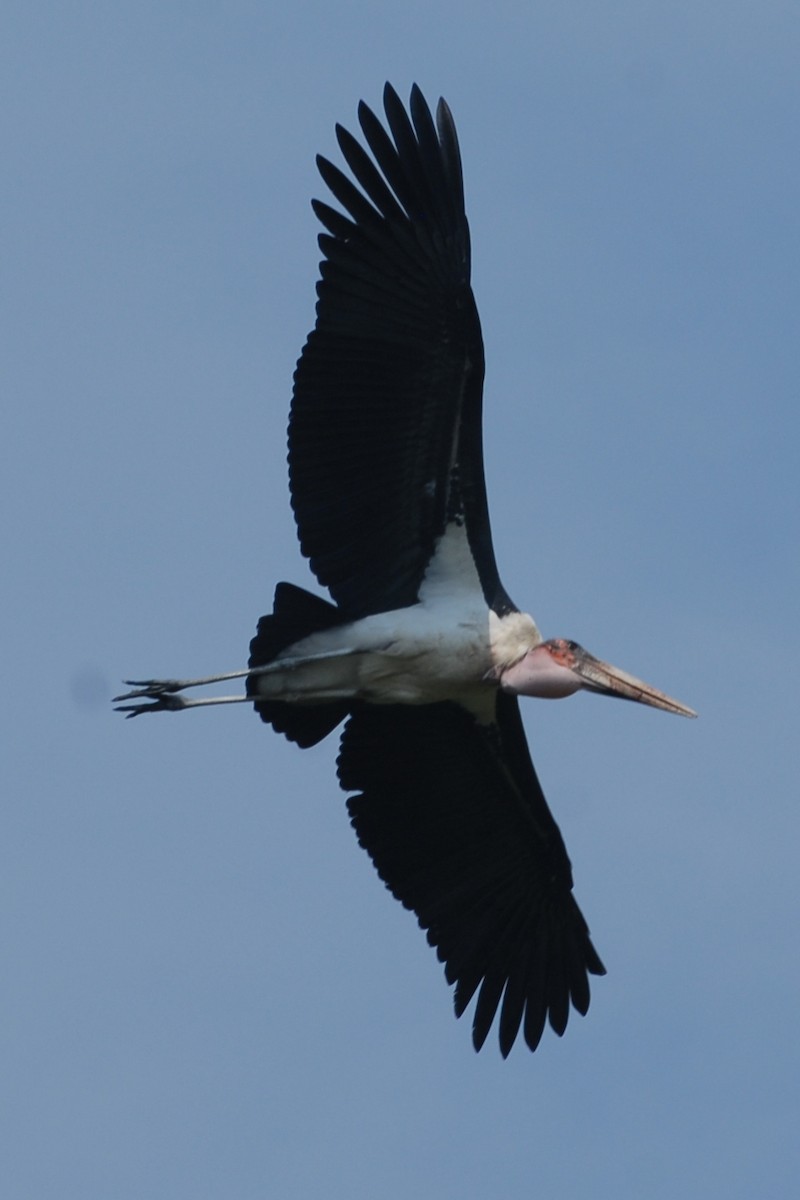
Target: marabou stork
{"x":422,"y":653}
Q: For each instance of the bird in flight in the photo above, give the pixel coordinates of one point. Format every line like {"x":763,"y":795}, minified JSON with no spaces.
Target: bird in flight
{"x":421,"y":652}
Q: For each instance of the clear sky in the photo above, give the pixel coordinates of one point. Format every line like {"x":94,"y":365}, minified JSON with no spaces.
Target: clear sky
{"x":205,"y":991}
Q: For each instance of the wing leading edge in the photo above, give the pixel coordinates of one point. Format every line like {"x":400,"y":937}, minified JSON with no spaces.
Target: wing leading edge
{"x":453,"y":816}
{"x":385,"y":428}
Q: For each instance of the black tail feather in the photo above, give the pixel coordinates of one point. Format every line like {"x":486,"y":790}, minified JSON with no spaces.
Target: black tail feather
{"x":296,"y":614}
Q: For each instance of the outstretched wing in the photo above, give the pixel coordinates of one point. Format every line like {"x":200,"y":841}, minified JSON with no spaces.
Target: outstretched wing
{"x":385,"y":429}
{"x":454,"y":818}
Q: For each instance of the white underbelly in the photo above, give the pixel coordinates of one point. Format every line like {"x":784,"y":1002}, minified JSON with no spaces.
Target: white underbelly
{"x":403,"y":657}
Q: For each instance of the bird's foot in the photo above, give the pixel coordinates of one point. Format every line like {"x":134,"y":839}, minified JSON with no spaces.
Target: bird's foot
{"x":153,"y":687}
{"x":160,"y":694}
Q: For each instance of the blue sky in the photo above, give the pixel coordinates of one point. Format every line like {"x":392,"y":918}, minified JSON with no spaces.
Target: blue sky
{"x":204,"y":989}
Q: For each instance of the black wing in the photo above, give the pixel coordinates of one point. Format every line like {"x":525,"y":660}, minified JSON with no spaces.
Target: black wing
{"x":456,"y":823}
{"x":385,"y":429}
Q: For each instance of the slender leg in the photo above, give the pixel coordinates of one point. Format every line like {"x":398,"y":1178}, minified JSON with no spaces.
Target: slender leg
{"x":169,"y":702}
{"x":162,"y":694}
{"x":157,"y":687}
